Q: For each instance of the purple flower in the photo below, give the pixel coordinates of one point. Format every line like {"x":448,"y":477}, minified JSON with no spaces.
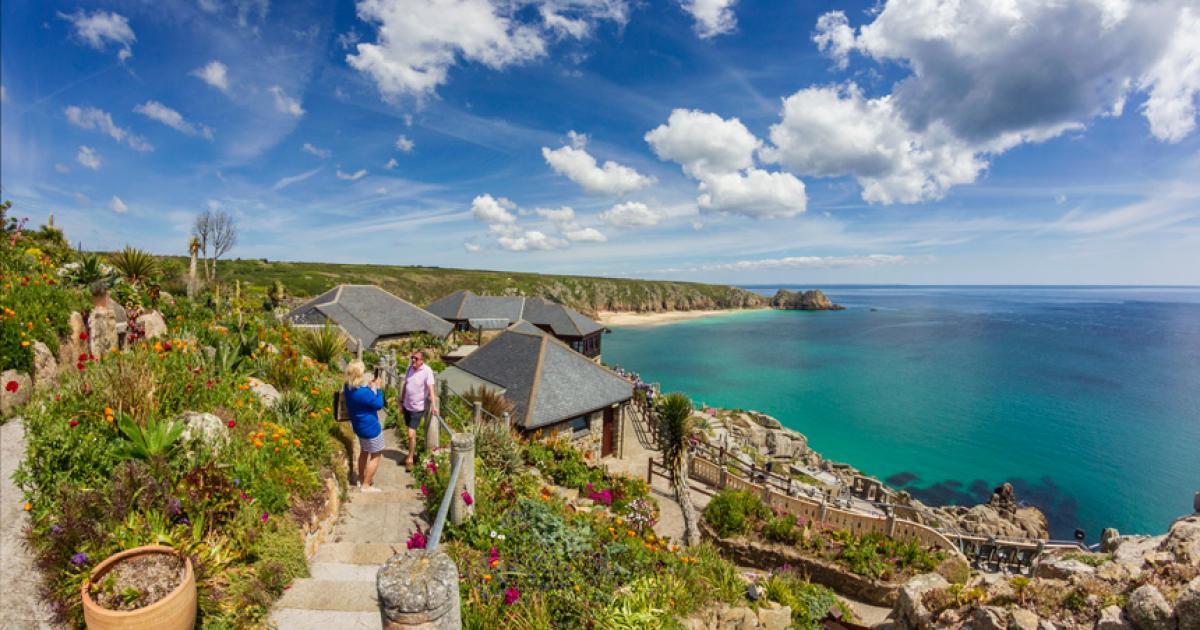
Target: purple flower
{"x":173,"y":507}
{"x":55,"y":529}
{"x":466,"y":496}
{"x":79,"y":558}
{"x":237,"y":482}
{"x":511,"y":595}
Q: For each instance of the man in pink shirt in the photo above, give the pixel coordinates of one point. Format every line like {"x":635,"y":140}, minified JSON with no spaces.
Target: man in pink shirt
{"x":419,"y":393}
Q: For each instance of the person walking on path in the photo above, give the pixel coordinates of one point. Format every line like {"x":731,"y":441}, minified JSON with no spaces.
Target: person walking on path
{"x":419,"y":393}
{"x":364,"y":399}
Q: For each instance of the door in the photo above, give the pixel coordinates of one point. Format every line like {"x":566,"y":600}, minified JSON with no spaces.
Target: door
{"x":610,"y":432}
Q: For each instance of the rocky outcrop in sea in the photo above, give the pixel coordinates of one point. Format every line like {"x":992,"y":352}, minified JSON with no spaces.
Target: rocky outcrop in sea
{"x":812,"y":300}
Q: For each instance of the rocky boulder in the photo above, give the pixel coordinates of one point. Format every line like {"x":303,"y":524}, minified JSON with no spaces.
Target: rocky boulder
{"x":1187,"y":607}
{"x":1110,"y":538}
{"x":45,"y":368}
{"x":266,"y":392}
{"x":989,"y":618}
{"x":204,"y":427}
{"x":784,"y":443}
{"x":910,"y":611}
{"x":1183,"y":540}
{"x":1111,"y":618}
{"x":15,"y":390}
{"x":775,"y":617}
{"x":1063,"y":569}
{"x":1148,"y":609}
{"x":813,"y":300}
{"x":1021,"y":619}
{"x":152,"y":324}
{"x":102,"y":331}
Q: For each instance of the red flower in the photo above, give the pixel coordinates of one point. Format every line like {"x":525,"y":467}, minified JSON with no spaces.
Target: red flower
{"x":12,"y":386}
{"x":81,"y":366}
{"x":73,"y":423}
{"x":83,"y":357}
{"x":166,"y":346}
{"x":83,"y":336}
{"x":232,"y":424}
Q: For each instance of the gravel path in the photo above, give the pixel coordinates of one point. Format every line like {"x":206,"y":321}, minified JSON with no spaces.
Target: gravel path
{"x":19,"y":602}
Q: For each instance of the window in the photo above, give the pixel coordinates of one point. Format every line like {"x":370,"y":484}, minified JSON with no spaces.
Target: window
{"x":580,"y":427}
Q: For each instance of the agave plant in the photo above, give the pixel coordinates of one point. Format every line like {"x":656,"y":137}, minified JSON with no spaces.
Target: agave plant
{"x":152,"y":442}
{"x":324,"y":344}
{"x":136,"y":265}
{"x":90,"y":272}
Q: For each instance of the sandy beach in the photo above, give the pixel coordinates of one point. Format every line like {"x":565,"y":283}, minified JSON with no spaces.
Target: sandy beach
{"x":625,"y":318}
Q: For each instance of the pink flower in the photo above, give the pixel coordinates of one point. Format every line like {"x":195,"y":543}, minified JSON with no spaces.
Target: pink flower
{"x":424,"y":490}
{"x":264,"y":517}
{"x":466,"y":496}
{"x":416,"y":540}
{"x":432,"y":466}
{"x":511,"y":595}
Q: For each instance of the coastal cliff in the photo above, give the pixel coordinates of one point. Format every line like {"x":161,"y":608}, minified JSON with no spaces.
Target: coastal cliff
{"x":812,"y":300}
{"x":422,"y":285}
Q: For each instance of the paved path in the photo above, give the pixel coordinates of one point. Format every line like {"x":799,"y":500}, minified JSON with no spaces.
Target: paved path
{"x":19,"y":602}
{"x":637,"y":450}
{"x":341,"y":592}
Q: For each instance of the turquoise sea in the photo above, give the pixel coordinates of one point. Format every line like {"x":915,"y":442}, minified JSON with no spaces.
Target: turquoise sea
{"x":1086,"y":398}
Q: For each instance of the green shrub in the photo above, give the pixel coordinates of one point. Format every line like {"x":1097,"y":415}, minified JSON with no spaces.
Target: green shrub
{"x":497,"y":446}
{"x":732,"y":512}
{"x":810,"y":603}
{"x":782,"y":529}
{"x":135,"y":265}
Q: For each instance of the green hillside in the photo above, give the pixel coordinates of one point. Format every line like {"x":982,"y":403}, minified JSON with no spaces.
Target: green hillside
{"x":422,"y":285}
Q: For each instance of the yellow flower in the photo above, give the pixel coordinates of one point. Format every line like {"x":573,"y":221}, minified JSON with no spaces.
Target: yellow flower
{"x":158,"y":346}
{"x":24,"y":344}
{"x":28,"y":506}
{"x":487,"y":577}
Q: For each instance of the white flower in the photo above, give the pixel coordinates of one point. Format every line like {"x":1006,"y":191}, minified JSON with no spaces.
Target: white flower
{"x":493,"y":534}
{"x":500,"y":536}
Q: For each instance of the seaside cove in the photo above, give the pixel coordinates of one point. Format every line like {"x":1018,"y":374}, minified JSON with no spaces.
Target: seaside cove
{"x":1085,"y":399}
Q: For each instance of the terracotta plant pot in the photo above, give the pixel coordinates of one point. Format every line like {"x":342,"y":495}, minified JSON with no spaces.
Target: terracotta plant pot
{"x":176,"y":611}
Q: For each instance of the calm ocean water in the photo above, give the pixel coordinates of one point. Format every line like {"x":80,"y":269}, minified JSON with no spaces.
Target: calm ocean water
{"x":1086,"y":399}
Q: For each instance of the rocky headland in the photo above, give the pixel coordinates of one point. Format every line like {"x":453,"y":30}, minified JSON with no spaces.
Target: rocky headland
{"x":811,"y":300}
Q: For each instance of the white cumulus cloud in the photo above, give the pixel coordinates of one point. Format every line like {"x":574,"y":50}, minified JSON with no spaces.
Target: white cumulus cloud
{"x":565,"y":214}
{"x":94,"y":119}
{"x":631,"y":214}
{"x":404,"y":144}
{"x":704,"y":143}
{"x":173,"y":119}
{"x":353,"y":177}
{"x":118,"y":206}
{"x":88,"y":157}
{"x":754,"y":193}
{"x":585,"y":234}
{"x":286,"y":104}
{"x":491,"y":210}
{"x":983,"y":78}
{"x":713,"y":17}
{"x":579,"y":166}
{"x":531,"y":240}
{"x":213,"y":73}
{"x":100,"y":28}
{"x":313,"y":150}
{"x":391,"y":164}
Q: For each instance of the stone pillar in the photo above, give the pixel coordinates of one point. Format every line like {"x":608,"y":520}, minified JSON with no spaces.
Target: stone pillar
{"x":418,"y":590}
{"x":102,"y":330}
{"x":462,"y":448}
{"x":1196,"y":502}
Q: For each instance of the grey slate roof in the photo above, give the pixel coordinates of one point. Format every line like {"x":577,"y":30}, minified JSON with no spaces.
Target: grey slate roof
{"x":563,"y":320}
{"x":544,"y":379}
{"x":368,"y":313}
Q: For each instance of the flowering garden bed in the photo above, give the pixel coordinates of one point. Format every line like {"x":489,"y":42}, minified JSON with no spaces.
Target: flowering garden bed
{"x":109,"y":466}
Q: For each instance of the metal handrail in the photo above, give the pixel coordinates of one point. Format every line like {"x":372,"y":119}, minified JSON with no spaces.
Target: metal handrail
{"x":435,"y":533}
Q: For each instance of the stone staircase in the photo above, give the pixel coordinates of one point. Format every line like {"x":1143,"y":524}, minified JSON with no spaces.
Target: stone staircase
{"x":341,"y":592}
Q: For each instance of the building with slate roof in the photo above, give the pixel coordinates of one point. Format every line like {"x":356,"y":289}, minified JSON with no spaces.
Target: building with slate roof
{"x":468,"y":311}
{"x":369,"y":315}
{"x":553,"y":389}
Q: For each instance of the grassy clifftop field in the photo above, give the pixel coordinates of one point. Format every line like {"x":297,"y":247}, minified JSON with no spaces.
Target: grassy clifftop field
{"x":422,"y":285}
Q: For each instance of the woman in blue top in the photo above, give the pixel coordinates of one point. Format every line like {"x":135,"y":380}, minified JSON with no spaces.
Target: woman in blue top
{"x":364,"y":399}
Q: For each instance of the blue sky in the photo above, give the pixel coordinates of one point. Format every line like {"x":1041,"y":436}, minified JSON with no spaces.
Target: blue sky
{"x":913,"y":141}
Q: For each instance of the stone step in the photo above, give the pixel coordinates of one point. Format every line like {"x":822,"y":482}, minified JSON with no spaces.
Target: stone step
{"x":378,"y":523}
{"x":314,"y":594}
{"x":374,"y":554}
{"x":300,"y":619}
{"x":386,"y":496}
{"x":343,"y":572}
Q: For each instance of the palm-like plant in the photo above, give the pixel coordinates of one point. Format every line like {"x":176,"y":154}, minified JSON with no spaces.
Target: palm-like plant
{"x":674,"y":430}
{"x":136,"y":265}
{"x":324,"y":344}
{"x":152,"y":442}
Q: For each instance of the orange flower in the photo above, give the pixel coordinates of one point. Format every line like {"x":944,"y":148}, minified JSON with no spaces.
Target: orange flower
{"x":28,"y":506}
{"x":295,"y":442}
{"x":24,"y":344}
{"x":108,"y":411}
{"x":487,"y":577}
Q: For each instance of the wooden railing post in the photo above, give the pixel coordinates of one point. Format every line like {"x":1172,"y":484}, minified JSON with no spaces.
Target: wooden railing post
{"x":477,"y":413}
{"x":649,"y":471}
